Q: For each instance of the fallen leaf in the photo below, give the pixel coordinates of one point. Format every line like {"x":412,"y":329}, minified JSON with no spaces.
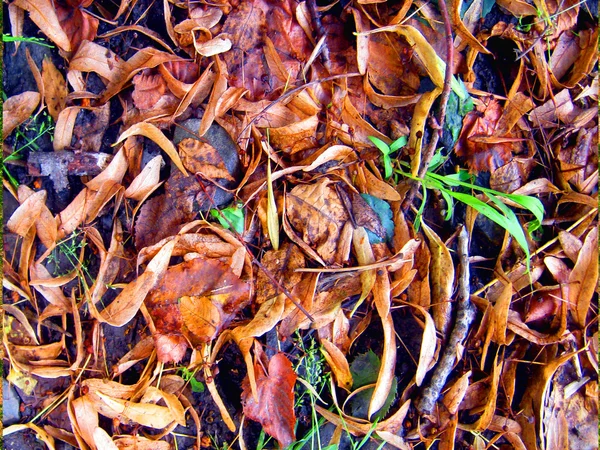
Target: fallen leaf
{"x":17,"y":109}
{"x":441,"y":275}
{"x":77,"y":23}
{"x":274,"y":409}
{"x":43,"y":14}
{"x":473,"y":144}
{"x":196,"y":299}
{"x":584,"y":277}
{"x":55,"y":88}
{"x":316,"y":211}
{"x":153,"y":133}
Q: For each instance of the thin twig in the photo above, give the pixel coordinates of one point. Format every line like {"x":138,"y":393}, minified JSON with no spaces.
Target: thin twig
{"x":464,"y":317}
{"x":438,"y":123}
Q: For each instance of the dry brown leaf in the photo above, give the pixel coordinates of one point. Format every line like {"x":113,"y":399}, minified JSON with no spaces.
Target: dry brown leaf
{"x":584,"y":277}
{"x":295,"y":137}
{"x":148,"y":89}
{"x":54,"y":295}
{"x":43,"y":14}
{"x":316,"y":211}
{"x":385,"y":378}
{"x":570,"y":244}
{"x":275,"y":406}
{"x":63,"y":132}
{"x":55,"y":88}
{"x":441,"y":276}
{"x":146,"y":181}
{"x":364,"y":256}
{"x":27,"y":214}
{"x":17,"y":109}
{"x":154,"y":134}
{"x":211,"y":295}
{"x":145,"y":414}
{"x":500,"y":314}
{"x":123,"y":308}
{"x":428,"y":347}
{"x":475,"y":144}
{"x":338,"y":364}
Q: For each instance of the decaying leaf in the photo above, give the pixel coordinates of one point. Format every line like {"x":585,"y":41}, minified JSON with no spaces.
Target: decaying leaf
{"x":275,"y":406}
{"x":195,"y":299}
{"x":317,"y":212}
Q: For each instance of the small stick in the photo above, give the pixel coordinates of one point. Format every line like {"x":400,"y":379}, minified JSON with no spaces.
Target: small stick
{"x":438,"y":124}
{"x":464,"y":317}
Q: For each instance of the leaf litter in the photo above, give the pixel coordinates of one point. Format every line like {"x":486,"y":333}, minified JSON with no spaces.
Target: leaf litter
{"x":462,"y":311}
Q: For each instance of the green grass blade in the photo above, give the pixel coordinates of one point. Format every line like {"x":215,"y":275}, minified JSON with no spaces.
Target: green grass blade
{"x":385,"y":149}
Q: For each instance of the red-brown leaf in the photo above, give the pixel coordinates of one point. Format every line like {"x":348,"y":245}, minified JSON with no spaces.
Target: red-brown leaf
{"x":275,"y":407}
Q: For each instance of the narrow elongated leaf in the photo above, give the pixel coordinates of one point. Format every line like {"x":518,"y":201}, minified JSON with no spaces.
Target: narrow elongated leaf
{"x":153,"y":133}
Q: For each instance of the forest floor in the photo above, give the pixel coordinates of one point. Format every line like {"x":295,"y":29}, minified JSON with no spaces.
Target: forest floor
{"x":320,"y":224}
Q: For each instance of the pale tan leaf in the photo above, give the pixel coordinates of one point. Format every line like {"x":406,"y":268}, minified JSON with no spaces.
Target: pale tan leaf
{"x":63,"y":131}
{"x":382,"y":300}
{"x":428,"y":346}
{"x":272,"y":215}
{"x":364,"y":256}
{"x":103,"y":440}
{"x":128,"y":302}
{"x":341,"y":153}
{"x":26,"y":215}
{"x":16,"y":16}
{"x":146,"y":414}
{"x":265,"y":319}
{"x":17,"y":109}
{"x":53,"y":294}
{"x":378,"y":188}
{"x":218,"y":44}
{"x":86,"y":419}
{"x":362,"y":41}
{"x":456,"y":393}
{"x":43,"y":14}
{"x":147,"y":180}
{"x":219,"y":88}
{"x":153,"y":133}
{"x":500,"y":314}
{"x":153,"y":395}
{"x":139,"y":442}
{"x":570,"y":244}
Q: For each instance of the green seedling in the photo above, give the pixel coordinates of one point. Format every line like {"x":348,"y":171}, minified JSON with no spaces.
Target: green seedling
{"x":232,"y":216}
{"x":494,"y":209}
{"x":190,"y":377}
{"x":386,"y":151}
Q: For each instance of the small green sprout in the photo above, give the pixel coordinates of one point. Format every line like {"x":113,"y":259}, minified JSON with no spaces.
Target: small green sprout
{"x":189,"y":376}
{"x":386,"y":150}
{"x":230,"y":216}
